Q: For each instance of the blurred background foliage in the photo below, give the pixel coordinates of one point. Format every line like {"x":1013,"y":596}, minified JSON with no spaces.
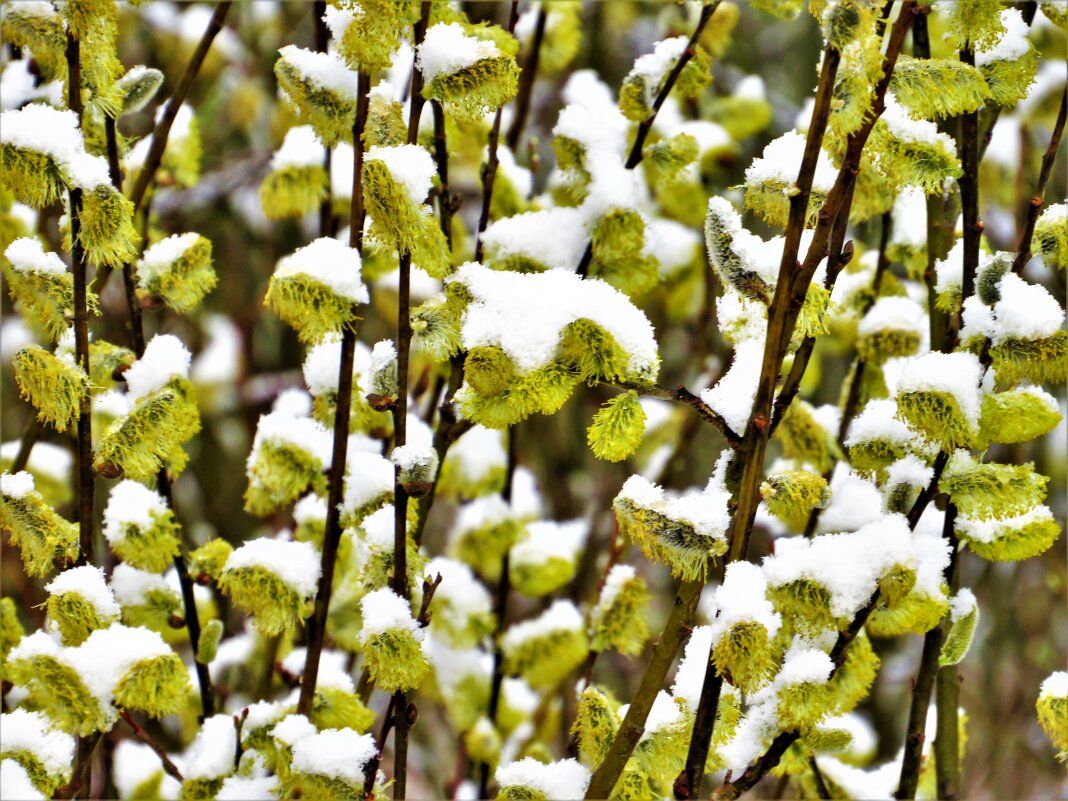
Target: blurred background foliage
{"x":1023,"y":633}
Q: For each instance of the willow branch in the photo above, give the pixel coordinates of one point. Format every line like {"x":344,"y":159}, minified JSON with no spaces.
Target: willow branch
{"x":30,"y":434}
{"x":947,"y":689}
{"x":81,"y":326}
{"x":1023,"y":247}
{"x":526,"y":81}
{"x":681,"y":394}
{"x":146,"y":738}
{"x":332,"y":535}
{"x":181,"y":92}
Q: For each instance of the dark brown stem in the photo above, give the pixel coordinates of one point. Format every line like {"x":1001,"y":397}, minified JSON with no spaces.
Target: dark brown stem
{"x":947,"y":688}
{"x":371,"y":771}
{"x":322,"y":39}
{"x":146,"y":738}
{"x":703,"y":724}
{"x":30,"y":435}
{"x":181,"y":92}
{"x":81,"y":326}
{"x":817,"y":776}
{"x":446,"y":202}
{"x":526,"y":81}
{"x":500,"y":611}
{"x":928,"y":493}
{"x":646,"y":125}
{"x":1023,"y":247}
{"x":489,"y":170}
{"x":189,"y":609}
{"x":675,"y":633}
{"x":969,"y":190}
{"x":332,"y":535}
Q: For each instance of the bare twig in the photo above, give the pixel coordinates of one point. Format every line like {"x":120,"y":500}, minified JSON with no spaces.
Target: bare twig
{"x":526,"y":80}
{"x":1023,"y":247}
{"x":146,"y":738}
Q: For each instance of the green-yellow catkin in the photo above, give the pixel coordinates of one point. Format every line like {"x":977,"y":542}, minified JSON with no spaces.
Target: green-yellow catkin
{"x":617,"y":428}
{"x":791,"y":496}
{"x":618,"y":245}
{"x":667,"y":541}
{"x":385,"y":123}
{"x":208,"y":643}
{"x":903,"y":162}
{"x":158,"y":686}
{"x":538,"y":579}
{"x":852,"y":682}
{"x":209,"y":559}
{"x":274,"y":605}
{"x":936,"y":415}
{"x":802,"y":705}
{"x":335,"y":708}
{"x":1010,"y":79}
{"x":1050,"y":239}
{"x":42,"y":536}
{"x":563,"y":37}
{"x":1040,"y":361}
{"x":1017,"y":415}
{"x":482,"y":548}
{"x":394,"y":660}
{"x":279,"y":473}
{"x":974,"y":23}
{"x":43,"y":34}
{"x":665,"y":162}
{"x":469,"y":93}
{"x":150,"y":548}
{"x":312,"y":308}
{"x":959,"y":636}
{"x":783,"y":9}
{"x":934,"y":88}
{"x":54,"y":385}
{"x":845,"y":21}
{"x":374,"y":34}
{"x":183,"y":282}
{"x":400,"y":222}
{"x":595,"y":725}
{"x":330,"y":113}
{"x":805,"y":604}
{"x":46,"y":778}
{"x":33,"y":178}
{"x":76,"y":616}
{"x":546,"y":659}
{"x":293,"y":191}
{"x":106,"y":227}
{"x":45,"y":298}
{"x":138,"y":86}
{"x":1011,"y":539}
{"x":804,"y":439}
{"x":720,"y":228}
{"x":991,"y":490}
{"x":1052,"y":709}
{"x":57,"y":690}
{"x":151,"y":435}
{"x":915,"y":613}
{"x":107,"y":362}
{"x":618,"y":619}
{"x":11,"y":630}
{"x":814,"y":319}
{"x":743,"y":655}
{"x":638,"y":93}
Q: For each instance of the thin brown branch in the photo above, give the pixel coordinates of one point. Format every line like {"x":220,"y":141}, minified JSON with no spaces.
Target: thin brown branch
{"x":146,"y":738}
{"x":1023,"y":247}
{"x":163,"y":128}
{"x":817,"y":777}
{"x":30,"y":434}
{"x":332,"y":535}
{"x":526,"y":81}
{"x":681,"y":394}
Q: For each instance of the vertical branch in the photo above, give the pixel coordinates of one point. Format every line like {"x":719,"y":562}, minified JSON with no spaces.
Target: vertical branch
{"x":170,"y":111}
{"x":1034,"y":206}
{"x":969,"y":190}
{"x":81,"y":325}
{"x":332,"y":535}
{"x":526,"y":81}
{"x":489,"y":171}
{"x":500,"y":611}
{"x":402,"y":712}
{"x":947,"y":691}
{"x":322,"y":38}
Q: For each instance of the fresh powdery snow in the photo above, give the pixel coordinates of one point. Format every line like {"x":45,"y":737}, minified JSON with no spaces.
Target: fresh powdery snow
{"x":43,"y":129}
{"x":478,"y":451}
{"x":165,"y":358}
{"x":525,"y":315}
{"x":296,"y":564}
{"x":27,"y":255}
{"x":732,"y":396}
{"x":322,"y":69}
{"x":895,"y":314}
{"x":447,"y":48}
{"x":88,"y":582}
{"x":563,"y":780}
{"x":547,"y":540}
{"x":1055,"y":685}
{"x":1024,"y":311}
{"x":465,"y":595}
{"x":705,"y":511}
{"x":292,"y":729}
{"x":32,"y":732}
{"x":16,"y":485}
{"x":1013,"y":44}
{"x":248,"y":788}
{"x":962,"y":604}
{"x":410,"y":165}
{"x":331,"y":263}
{"x":282,"y":428}
{"x":131,"y":504}
{"x":15,"y":782}
{"x":741,"y":599}
{"x":163,"y":254}
{"x":132,"y":586}
{"x":561,"y":616}
{"x":690,"y":675}
{"x":368,"y":476}
{"x":300,"y":148}
{"x":958,"y":374}
{"x":878,"y":421}
{"x":212,"y":753}
{"x":334,"y":753}
{"x":136,"y":763}
{"x":383,"y":610}
{"x":554,"y":237}
{"x":322,"y":365}
{"x":779,"y":163}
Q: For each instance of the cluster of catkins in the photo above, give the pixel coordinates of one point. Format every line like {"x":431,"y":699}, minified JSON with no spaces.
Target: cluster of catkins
{"x":553,"y":301}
